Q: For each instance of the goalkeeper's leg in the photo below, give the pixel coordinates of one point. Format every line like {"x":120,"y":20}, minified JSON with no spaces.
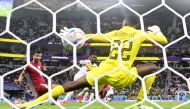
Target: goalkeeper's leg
{"x":148,"y":83}
{"x":59,"y":90}
{"x":144,"y":70}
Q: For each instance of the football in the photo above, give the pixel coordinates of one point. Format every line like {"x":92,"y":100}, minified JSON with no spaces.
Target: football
{"x":74,"y":35}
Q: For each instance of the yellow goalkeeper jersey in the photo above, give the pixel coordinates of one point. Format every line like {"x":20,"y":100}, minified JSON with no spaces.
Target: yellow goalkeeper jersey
{"x":131,"y":39}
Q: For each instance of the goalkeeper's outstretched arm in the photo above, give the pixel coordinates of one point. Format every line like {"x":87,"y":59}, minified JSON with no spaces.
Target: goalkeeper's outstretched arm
{"x":100,"y":37}
{"x":154,"y":33}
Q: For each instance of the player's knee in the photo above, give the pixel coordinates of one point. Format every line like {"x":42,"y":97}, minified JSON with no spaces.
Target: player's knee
{"x":150,"y":67}
{"x":154,"y":67}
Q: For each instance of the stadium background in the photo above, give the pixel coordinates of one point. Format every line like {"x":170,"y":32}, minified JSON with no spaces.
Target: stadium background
{"x":32,"y":22}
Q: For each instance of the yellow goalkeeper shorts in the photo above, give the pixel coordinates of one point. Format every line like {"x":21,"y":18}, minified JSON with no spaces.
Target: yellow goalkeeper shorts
{"x":118,"y":79}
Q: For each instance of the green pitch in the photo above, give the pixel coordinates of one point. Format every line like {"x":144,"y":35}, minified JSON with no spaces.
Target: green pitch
{"x":165,"y":105}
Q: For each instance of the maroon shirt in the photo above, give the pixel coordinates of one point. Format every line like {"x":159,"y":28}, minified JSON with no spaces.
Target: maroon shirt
{"x":37,"y":79}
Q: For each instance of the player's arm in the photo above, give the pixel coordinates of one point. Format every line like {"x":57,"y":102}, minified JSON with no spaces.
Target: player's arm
{"x":21,"y":77}
{"x":109,"y":35}
{"x":156,"y":34}
{"x":160,"y":38}
{"x":100,"y":38}
{"x":44,"y":68}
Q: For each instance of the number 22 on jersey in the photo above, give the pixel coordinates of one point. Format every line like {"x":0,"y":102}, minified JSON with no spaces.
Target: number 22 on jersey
{"x":125,"y":50}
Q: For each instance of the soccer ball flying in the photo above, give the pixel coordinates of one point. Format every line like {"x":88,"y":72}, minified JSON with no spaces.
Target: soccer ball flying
{"x":74,"y":35}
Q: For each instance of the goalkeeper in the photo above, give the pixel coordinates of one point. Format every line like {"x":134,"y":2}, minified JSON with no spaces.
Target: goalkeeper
{"x":130,"y":40}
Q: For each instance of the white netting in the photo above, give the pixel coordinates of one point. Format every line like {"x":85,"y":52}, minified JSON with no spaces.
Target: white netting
{"x":85,"y":6}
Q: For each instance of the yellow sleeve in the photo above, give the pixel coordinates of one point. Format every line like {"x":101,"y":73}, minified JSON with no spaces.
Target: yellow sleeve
{"x":109,"y":35}
{"x":100,"y":38}
{"x":160,"y":38}
{"x":89,"y":66}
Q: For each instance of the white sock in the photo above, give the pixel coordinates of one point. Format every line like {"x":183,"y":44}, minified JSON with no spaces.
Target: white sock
{"x":68,"y":96}
{"x":81,"y":93}
{"x":91,"y":97}
{"x":85,"y":96}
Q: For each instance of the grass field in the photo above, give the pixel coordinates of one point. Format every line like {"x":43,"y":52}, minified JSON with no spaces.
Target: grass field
{"x":116,"y":105}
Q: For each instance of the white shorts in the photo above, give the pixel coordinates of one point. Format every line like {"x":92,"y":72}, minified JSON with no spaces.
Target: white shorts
{"x":79,"y":74}
{"x":110,"y":92}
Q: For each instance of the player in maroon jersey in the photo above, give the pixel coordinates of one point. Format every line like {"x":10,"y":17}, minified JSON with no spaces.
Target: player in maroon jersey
{"x":39,"y":83}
